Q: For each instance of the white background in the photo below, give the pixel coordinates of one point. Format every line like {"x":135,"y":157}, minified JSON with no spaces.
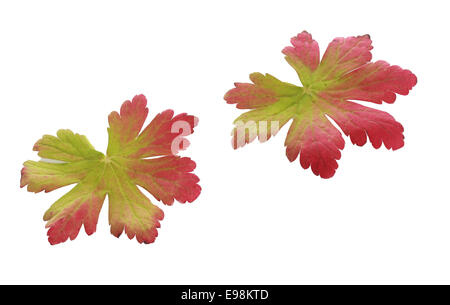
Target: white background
{"x":383,"y":218}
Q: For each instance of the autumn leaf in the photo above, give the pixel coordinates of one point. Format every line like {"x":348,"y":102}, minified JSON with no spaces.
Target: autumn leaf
{"x":146,"y":158}
{"x":345,"y":73}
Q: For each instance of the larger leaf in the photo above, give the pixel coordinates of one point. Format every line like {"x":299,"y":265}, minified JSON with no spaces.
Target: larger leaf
{"x":345,"y":73}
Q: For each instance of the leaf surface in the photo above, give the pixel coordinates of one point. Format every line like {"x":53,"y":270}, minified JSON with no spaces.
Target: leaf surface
{"x":115,"y":175}
{"x":344,"y":73}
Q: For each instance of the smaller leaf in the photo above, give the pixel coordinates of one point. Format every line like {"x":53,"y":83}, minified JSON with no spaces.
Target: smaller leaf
{"x":115,"y":174}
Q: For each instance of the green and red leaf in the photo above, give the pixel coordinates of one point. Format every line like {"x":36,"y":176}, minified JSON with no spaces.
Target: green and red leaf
{"x":344,"y":73}
{"x":116,"y":174}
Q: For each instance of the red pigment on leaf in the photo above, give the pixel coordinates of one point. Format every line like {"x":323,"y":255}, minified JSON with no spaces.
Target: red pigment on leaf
{"x":345,"y":73}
